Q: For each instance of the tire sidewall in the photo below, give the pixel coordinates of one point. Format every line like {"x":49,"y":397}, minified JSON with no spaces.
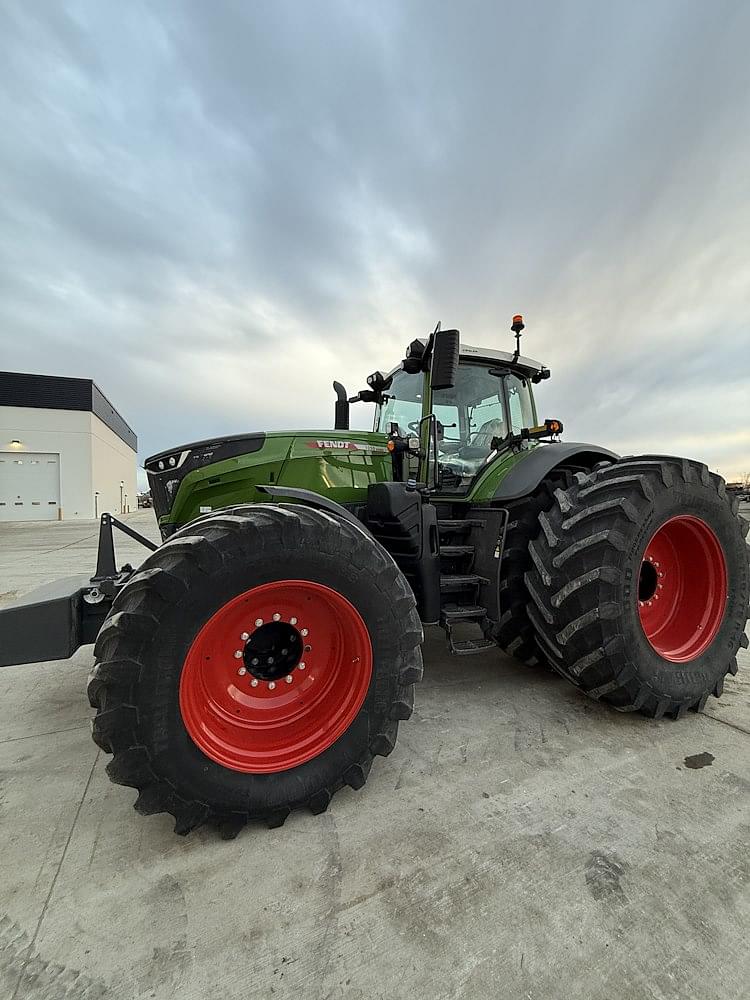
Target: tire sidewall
{"x":174,"y":756}
{"x":682,"y":681}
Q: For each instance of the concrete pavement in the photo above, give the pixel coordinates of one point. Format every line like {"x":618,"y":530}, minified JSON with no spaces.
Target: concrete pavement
{"x":520,"y":842}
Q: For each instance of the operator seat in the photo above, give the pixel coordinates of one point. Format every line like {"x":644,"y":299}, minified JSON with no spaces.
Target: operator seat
{"x":467,"y":460}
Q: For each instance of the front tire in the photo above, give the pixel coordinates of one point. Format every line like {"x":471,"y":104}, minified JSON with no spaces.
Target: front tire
{"x":255,"y":663}
{"x":640,"y":585}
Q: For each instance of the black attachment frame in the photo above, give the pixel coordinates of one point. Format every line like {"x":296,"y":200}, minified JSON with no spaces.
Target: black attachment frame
{"x":106,"y":567}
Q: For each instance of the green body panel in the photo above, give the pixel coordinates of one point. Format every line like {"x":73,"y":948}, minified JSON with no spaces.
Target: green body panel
{"x":484,"y":487}
{"x":337,"y":464}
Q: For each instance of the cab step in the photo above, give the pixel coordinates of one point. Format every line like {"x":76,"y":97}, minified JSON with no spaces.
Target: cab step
{"x":461,"y":524}
{"x":463,"y":612}
{"x":456,"y":583}
{"x":453,"y":551}
{"x":468,"y":647}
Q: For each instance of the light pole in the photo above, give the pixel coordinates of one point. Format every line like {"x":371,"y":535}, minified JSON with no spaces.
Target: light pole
{"x":122,"y":487}
{"x":96,"y":503}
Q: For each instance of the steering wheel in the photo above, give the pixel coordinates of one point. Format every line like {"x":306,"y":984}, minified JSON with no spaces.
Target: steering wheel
{"x":414,"y":426}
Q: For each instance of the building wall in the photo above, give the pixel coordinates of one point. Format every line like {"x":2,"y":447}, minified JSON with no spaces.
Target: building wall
{"x":112,"y":462}
{"x":65,"y":432}
{"x":92,"y":457}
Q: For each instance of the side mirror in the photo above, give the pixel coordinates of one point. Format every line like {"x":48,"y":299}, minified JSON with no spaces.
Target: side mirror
{"x":445,"y":348}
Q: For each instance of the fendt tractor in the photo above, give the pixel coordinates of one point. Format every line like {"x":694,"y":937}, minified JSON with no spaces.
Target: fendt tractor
{"x":265,"y":653}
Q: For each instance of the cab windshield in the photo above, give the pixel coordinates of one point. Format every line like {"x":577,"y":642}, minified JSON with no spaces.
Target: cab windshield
{"x":472,"y":418}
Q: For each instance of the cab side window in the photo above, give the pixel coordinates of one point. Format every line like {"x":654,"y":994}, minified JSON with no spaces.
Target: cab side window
{"x":519,"y":399}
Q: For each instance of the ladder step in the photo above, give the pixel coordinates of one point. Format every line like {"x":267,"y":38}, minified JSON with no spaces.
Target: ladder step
{"x":456,"y":550}
{"x":450,"y":583}
{"x":466,"y":647}
{"x":459,"y":612}
{"x":460,"y":524}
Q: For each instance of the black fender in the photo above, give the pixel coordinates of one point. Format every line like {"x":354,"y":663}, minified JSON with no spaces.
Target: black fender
{"x":312,"y":499}
{"x":525,"y":476}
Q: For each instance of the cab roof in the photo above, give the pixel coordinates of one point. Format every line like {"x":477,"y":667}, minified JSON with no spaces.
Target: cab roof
{"x":503,"y":357}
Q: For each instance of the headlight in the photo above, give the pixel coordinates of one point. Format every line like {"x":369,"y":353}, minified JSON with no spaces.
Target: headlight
{"x":170,"y":462}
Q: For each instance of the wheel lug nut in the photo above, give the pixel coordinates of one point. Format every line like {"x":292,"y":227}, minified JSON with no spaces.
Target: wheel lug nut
{"x":238,"y":654}
{"x":242,"y":671}
{"x":301,"y":666}
{"x":289,"y":678}
{"x":271,"y":685}
{"x":284,"y":652}
{"x":277,"y":617}
{"x":245,"y":636}
{"x":256,"y":661}
{"x":258,"y":622}
{"x":303,"y":631}
{"x":254,"y":682}
{"x":292,"y":621}
{"x":269,"y":660}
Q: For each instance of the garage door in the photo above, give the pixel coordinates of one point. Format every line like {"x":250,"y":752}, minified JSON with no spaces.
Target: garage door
{"x":29,"y":486}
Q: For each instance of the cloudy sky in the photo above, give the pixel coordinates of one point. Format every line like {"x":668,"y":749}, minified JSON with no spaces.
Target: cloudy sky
{"x":214,"y":209}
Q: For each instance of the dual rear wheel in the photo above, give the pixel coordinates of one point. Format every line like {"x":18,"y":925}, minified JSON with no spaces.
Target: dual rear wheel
{"x":638,"y":585}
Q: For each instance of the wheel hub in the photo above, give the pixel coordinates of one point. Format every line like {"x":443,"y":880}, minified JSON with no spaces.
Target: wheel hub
{"x":273,"y":650}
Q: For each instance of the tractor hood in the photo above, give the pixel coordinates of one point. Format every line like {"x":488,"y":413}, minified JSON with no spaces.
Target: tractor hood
{"x":196,"y":478}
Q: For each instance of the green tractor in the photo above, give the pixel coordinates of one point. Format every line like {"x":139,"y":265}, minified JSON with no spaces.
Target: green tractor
{"x":264,"y":654}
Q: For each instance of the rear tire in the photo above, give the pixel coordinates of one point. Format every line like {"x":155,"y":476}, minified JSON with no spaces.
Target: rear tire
{"x":514,"y":631}
{"x":177,"y":709}
{"x":595,"y":585}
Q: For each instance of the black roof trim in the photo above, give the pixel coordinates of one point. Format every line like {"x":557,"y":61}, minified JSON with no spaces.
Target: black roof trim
{"x":60,"y":392}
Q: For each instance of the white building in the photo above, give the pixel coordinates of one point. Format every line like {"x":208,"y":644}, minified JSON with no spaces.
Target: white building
{"x":65,"y":451}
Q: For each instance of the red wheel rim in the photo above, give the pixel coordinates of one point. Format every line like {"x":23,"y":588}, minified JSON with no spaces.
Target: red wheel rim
{"x":253,"y":715}
{"x":682,"y":588}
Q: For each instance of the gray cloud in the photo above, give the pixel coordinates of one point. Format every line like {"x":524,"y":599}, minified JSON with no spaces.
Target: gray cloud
{"x":214,"y":209}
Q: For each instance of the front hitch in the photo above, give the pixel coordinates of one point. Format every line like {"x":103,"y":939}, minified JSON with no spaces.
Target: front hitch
{"x":51,"y":622}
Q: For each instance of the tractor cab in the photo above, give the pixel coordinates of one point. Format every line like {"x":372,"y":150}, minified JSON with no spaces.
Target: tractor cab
{"x":489,"y":403}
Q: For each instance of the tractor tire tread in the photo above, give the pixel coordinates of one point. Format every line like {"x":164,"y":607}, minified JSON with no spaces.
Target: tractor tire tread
{"x":166,"y":576}
{"x":578,"y":554}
